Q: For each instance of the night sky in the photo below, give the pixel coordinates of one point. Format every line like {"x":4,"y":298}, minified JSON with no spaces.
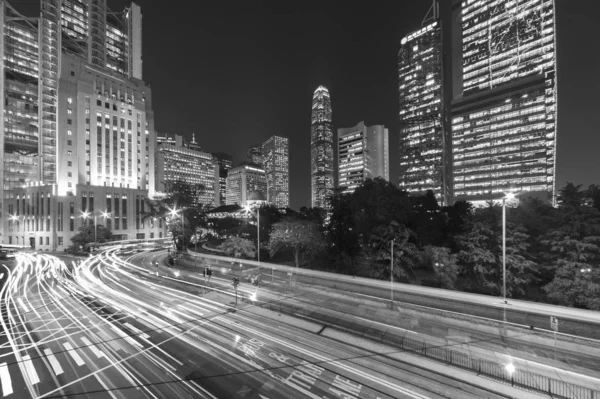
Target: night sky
{"x":237,"y":72}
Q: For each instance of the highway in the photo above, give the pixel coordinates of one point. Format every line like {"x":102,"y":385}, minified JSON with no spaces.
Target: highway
{"x":108,"y":328}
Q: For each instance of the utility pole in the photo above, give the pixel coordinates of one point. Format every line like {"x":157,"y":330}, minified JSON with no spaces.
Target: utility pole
{"x":392,"y":271}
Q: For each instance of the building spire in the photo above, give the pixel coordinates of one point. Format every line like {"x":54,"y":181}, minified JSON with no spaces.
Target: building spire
{"x":193,"y":137}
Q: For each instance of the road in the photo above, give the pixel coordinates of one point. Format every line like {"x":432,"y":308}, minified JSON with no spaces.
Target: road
{"x":107,"y":329}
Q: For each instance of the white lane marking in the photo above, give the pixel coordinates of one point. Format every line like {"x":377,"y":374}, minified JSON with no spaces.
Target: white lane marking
{"x":137,"y":331}
{"x":92,"y":347}
{"x":30,"y":370}
{"x":112,"y":395}
{"x":127,"y":337}
{"x":5,"y":380}
{"x":74,"y":354}
{"x":53,"y":362}
{"x":23,"y":305}
{"x":165,"y":353}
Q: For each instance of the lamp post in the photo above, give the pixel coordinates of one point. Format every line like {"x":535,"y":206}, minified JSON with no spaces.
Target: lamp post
{"x":174,"y":213}
{"x":392,"y":271}
{"x":508,"y":196}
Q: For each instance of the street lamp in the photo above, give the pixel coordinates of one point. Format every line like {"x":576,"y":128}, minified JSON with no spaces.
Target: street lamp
{"x":86,"y":215}
{"x":508,"y":196}
{"x":249,"y":209}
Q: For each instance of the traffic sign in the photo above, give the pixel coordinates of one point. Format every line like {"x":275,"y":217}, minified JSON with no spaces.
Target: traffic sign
{"x":554,"y":323}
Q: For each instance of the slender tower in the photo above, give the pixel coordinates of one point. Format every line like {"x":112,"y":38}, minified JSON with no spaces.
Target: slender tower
{"x":322,"y":162}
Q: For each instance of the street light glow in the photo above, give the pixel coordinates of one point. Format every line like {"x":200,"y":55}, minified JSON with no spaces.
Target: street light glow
{"x":510,"y":196}
{"x":510,"y":368}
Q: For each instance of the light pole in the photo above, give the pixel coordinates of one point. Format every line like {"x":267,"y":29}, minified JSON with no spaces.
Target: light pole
{"x":508,"y":196}
{"x":392,"y":271}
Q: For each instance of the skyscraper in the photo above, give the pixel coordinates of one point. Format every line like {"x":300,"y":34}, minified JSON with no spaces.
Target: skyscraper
{"x":243,"y":180}
{"x":178,"y":160}
{"x":322,"y":175}
{"x":504,"y":126}
{"x":276,"y":163}
{"x":420,"y":93}
{"x":478,"y":101}
{"x":76,"y":63}
{"x":363,"y":153}
{"x":224,"y":162}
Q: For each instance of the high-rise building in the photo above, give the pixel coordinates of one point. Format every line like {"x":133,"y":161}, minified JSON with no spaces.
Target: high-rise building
{"x":254,"y":155}
{"x":322,"y":155}
{"x":243,"y":180}
{"x":180,"y":161}
{"x":420,"y":94}
{"x":477,"y":92}
{"x":504,"y":125}
{"x":224,"y":162}
{"x":276,"y":163}
{"x":363,"y":153}
{"x":74,"y":63}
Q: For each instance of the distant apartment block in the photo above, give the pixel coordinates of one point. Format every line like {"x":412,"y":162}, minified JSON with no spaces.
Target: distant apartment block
{"x":363,"y":153}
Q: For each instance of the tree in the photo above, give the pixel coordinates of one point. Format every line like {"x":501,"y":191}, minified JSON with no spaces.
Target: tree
{"x":380,"y":248}
{"x":574,"y":248}
{"x":480,"y":254}
{"x":443,"y":264}
{"x":426,"y":220}
{"x":238,"y":247}
{"x":302,"y":236}
{"x":85,"y":237}
{"x":340,"y":230}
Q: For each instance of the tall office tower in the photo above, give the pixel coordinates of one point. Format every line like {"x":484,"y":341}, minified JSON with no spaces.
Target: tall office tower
{"x":185,"y":162}
{"x":75,"y":62}
{"x":254,"y":155}
{"x":420,"y":90}
{"x":243,"y":180}
{"x":322,"y":156}
{"x":224,"y":162}
{"x":504,"y":126}
{"x":276,"y":163}
{"x":363,"y":153}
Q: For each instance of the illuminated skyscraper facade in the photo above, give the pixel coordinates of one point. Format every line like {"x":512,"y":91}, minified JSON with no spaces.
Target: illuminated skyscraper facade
{"x":77,"y":122}
{"x":363,"y":153}
{"x":276,"y":163}
{"x":322,"y":162}
{"x":504,"y":126}
{"x":421,"y":107}
{"x":242,"y":181}
{"x":224,"y":163}
{"x":177,"y":160}
{"x":255,"y":155}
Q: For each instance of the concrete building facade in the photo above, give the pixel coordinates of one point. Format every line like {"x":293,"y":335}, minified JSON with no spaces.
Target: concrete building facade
{"x":276,"y":163}
{"x":363,"y":153}
{"x":243,"y":180}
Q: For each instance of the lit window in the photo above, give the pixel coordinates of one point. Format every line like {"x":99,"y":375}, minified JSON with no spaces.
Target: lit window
{"x":69,"y":111}
{"x":70,"y":100}
{"x":69,"y":132}
{"x":69,"y":153}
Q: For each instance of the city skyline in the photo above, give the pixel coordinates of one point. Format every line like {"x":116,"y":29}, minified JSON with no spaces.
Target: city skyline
{"x":272,"y":95}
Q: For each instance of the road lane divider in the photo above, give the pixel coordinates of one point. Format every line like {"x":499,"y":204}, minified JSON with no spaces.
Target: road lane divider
{"x":5,"y":380}
{"x":30,"y":372}
{"x":74,"y":354}
{"x":53,"y":362}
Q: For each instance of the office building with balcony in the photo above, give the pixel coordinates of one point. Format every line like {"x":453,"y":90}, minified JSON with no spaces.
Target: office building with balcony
{"x":72,"y":64}
{"x":180,"y":161}
{"x":243,"y":180}
{"x":322,"y":154}
{"x":276,"y":164}
{"x":363,"y":153}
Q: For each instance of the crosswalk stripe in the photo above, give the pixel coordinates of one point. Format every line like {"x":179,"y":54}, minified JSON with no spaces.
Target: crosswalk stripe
{"x":96,"y":351}
{"x":30,"y":370}
{"x":53,"y":362}
{"x":5,"y":380}
{"x":74,"y":354}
